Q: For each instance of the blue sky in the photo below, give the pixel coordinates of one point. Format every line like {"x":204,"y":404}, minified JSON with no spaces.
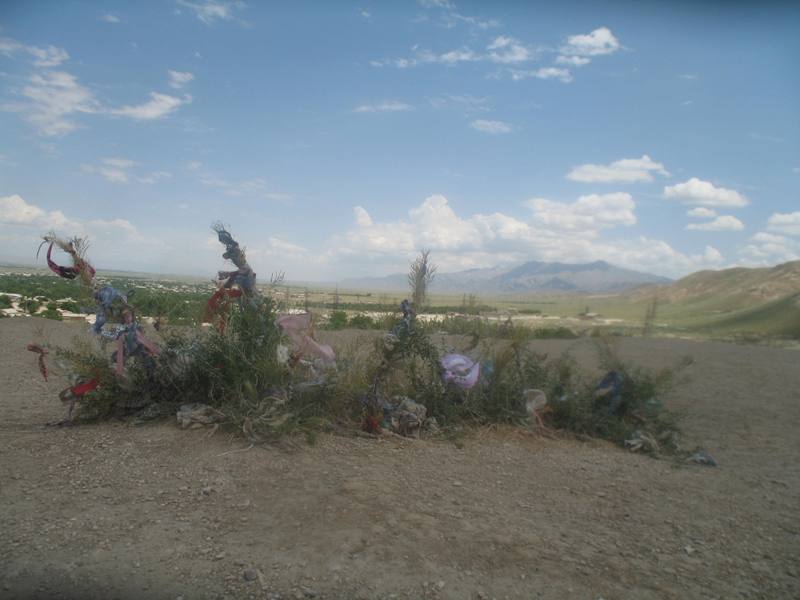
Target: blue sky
{"x":336,"y":139}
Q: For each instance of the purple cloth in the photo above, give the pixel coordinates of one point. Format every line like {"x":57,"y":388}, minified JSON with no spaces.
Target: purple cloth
{"x":298,"y":329}
{"x":460,"y":370}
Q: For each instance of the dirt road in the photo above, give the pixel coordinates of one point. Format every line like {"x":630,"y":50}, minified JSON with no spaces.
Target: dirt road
{"x":120,"y":511}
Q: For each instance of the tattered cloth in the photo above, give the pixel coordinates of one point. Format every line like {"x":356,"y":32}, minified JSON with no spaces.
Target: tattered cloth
{"x":42,"y":353}
{"x":214,"y":308}
{"x":68,"y":272}
{"x":460,"y":370}
{"x":298,"y":329}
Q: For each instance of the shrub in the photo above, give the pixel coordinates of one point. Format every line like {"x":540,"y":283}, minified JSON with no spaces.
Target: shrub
{"x":337,"y":320}
{"x":5,"y":301}
{"x":30,"y":305}
{"x":361,"y":322}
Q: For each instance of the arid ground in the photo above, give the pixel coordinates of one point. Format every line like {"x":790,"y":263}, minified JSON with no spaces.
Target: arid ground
{"x":116,"y":510}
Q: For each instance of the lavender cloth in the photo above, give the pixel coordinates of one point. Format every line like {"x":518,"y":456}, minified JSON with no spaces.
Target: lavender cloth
{"x":460,"y":370}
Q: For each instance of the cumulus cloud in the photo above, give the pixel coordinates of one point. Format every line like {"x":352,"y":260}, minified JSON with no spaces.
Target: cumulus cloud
{"x":109,"y":18}
{"x":210,"y":11}
{"x":721,"y":223}
{"x":15,"y":211}
{"x":596,"y":43}
{"x":493,"y":127}
{"x":573,"y":61}
{"x":508,"y":50}
{"x":178,"y":79}
{"x":766,"y":249}
{"x":701,"y":213}
{"x":703,"y":193}
{"x":385,"y":106}
{"x":588,"y":213}
{"x":627,"y":170}
{"x":788,"y":223}
{"x":572,"y":234}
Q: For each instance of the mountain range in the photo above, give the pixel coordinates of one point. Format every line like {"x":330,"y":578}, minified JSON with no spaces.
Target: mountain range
{"x":529,"y":277}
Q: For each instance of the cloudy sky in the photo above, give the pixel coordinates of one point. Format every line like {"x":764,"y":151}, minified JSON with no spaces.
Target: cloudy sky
{"x":336,"y":139}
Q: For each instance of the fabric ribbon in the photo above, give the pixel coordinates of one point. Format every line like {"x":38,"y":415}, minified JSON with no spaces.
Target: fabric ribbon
{"x":460,"y":370}
{"x":42,"y":352}
{"x":298,"y":329}
{"x":68,"y":272}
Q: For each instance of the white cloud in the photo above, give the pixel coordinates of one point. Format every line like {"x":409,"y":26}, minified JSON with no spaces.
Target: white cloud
{"x":703,"y":193}
{"x":467,"y":103}
{"x":588,"y":213}
{"x":788,"y":223}
{"x":15,"y":211}
{"x":121,"y":163}
{"x":599,"y":42}
{"x":493,"y":127}
{"x":154,"y":177}
{"x":573,"y":61}
{"x":210,"y":11}
{"x":701,"y":213}
{"x":507,"y":50}
{"x":160,"y":105}
{"x":109,"y":18}
{"x":178,"y":79}
{"x":483,"y":240}
{"x":627,"y":170}
{"x":254,"y":188}
{"x":118,"y":170}
{"x":721,"y":223}
{"x":767,"y":249}
{"x":193,"y":165}
{"x":49,"y":56}
{"x":114,"y":170}
{"x":385,"y":106}
{"x":53,"y":97}
{"x":562,"y":75}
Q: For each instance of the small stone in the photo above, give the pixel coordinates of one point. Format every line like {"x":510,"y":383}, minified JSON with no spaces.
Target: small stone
{"x":689,"y":550}
{"x":440,"y":584}
{"x":250,"y":575}
{"x":219,"y":556}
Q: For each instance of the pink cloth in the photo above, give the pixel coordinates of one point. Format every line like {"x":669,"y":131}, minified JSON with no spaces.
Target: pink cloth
{"x":461,"y":370}
{"x":298,"y":329}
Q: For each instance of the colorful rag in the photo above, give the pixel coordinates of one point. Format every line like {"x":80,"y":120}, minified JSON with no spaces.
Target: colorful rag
{"x":460,"y":370}
{"x":68,"y":272}
{"x":42,"y":352}
{"x":105,"y":297}
{"x":131,"y":340}
{"x":298,"y":329}
{"x":217,"y":305}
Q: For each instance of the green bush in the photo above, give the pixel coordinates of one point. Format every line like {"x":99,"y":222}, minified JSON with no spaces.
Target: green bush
{"x":51,"y":313}
{"x":5,"y":301}
{"x":69,"y":306}
{"x":337,"y":320}
{"x":361,"y":322}
{"x":30,"y":305}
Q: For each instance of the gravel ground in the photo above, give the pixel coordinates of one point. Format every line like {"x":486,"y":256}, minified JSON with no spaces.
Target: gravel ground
{"x":121,"y":511}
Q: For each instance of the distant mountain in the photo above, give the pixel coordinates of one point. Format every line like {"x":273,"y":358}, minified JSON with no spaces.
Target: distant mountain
{"x":530,"y":277}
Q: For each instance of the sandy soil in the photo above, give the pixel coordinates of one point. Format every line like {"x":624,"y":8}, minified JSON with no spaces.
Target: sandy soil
{"x":121,"y":511}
